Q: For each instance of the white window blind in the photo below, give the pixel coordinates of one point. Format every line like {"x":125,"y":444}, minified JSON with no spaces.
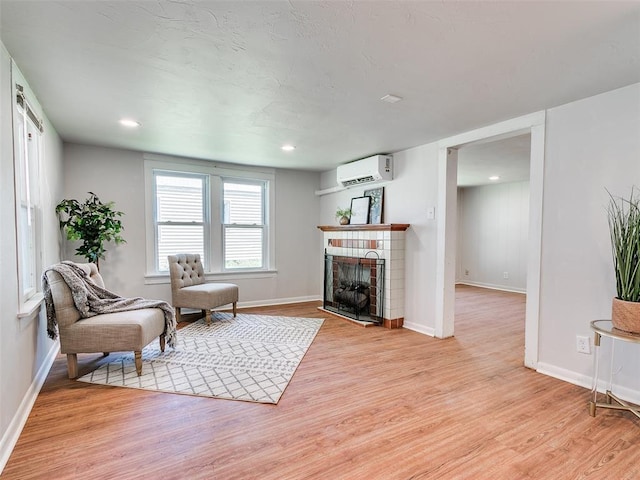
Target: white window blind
{"x":243,"y":224}
{"x":180,"y":216}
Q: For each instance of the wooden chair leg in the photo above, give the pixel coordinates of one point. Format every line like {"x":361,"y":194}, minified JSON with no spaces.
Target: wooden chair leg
{"x":138,"y":355}
{"x":72,"y":365}
{"x":235,"y":304}
{"x":177,"y":309}
{"x":162,"y":340}
{"x":207,"y":316}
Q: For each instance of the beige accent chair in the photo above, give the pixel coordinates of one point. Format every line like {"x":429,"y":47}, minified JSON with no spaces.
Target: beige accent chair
{"x":190,"y":290}
{"x":110,"y":332}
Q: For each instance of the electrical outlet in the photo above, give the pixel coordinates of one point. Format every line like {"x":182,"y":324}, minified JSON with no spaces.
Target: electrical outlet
{"x":505,"y":275}
{"x":583,"y":345}
{"x":466,"y":272}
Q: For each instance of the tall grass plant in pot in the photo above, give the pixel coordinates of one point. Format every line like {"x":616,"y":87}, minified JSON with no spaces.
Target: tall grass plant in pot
{"x":624,"y":227}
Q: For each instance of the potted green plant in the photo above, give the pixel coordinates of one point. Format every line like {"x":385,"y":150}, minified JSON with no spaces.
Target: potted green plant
{"x":92,"y":222}
{"x":343,"y":215}
{"x":624,"y":228}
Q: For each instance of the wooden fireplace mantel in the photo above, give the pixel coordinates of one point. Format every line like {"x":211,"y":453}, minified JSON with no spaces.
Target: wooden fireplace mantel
{"x":384,"y":227}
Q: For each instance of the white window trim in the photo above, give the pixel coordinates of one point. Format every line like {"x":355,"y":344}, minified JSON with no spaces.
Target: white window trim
{"x":29,"y":301}
{"x":29,"y":308}
{"x":216,"y":171}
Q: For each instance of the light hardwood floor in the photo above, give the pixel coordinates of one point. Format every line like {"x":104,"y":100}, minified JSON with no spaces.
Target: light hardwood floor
{"x":364,"y":404}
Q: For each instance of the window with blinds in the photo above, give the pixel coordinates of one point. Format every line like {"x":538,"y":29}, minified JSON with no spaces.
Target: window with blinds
{"x":243,"y":224}
{"x":222,"y":218}
{"x":180,"y":216}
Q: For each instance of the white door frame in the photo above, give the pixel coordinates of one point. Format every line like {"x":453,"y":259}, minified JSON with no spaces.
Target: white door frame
{"x":447,"y":224}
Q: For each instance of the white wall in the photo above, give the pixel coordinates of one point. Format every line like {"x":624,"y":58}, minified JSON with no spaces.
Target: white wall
{"x":493,"y":224}
{"x":118,"y":176}
{"x":592,"y":145}
{"x":25,"y":350}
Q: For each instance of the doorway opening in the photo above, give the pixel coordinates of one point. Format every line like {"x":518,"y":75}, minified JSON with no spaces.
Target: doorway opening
{"x":448,"y":224}
{"x":492,"y":237}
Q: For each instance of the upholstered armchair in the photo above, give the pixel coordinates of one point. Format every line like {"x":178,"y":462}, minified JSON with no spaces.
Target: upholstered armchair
{"x":109,"y":332}
{"x":189,"y":288}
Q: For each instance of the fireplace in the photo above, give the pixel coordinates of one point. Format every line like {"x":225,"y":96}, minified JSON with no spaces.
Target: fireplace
{"x":354,"y":287}
{"x":364,"y":273}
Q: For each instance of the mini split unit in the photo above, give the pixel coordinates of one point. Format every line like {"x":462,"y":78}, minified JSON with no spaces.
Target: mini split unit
{"x":378,"y":168}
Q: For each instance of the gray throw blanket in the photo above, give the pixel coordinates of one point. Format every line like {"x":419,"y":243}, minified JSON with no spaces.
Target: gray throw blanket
{"x":91,"y":299}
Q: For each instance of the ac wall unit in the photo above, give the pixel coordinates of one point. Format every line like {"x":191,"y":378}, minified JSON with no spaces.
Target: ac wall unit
{"x":378,"y":168}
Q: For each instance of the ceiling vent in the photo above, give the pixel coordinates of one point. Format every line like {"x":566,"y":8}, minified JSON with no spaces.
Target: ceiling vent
{"x":378,"y":168}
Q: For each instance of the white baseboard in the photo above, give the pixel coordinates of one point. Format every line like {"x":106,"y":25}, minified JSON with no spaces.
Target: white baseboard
{"x":263,"y":303}
{"x":279,"y":301}
{"x":416,"y":327}
{"x":11,"y":435}
{"x":493,"y":287}
{"x":586,"y":381}
{"x":564,"y":374}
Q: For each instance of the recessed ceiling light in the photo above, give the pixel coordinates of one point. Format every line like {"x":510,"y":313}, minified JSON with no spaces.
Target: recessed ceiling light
{"x":493,"y":178}
{"x":391,"y":98}
{"x":126,"y":122}
{"x":288,"y":148}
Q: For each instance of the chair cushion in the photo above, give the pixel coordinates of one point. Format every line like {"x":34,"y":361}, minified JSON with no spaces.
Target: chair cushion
{"x":113,"y":332}
{"x":206,"y":295}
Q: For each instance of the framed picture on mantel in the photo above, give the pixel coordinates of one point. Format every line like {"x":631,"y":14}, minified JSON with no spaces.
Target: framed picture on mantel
{"x":360,"y":210}
{"x":375,"y":209}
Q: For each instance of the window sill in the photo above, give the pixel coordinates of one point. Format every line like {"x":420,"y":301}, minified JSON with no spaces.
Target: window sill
{"x":31,"y":307}
{"x":162,"y":278}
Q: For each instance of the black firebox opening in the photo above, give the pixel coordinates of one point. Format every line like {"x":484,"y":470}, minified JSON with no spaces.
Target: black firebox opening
{"x":354,"y":287}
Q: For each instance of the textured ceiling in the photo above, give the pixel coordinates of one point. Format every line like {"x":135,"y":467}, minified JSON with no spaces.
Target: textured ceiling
{"x":233,"y":81}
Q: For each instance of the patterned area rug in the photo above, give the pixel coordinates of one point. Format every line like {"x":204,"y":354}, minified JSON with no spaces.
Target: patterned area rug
{"x":250,"y":357}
